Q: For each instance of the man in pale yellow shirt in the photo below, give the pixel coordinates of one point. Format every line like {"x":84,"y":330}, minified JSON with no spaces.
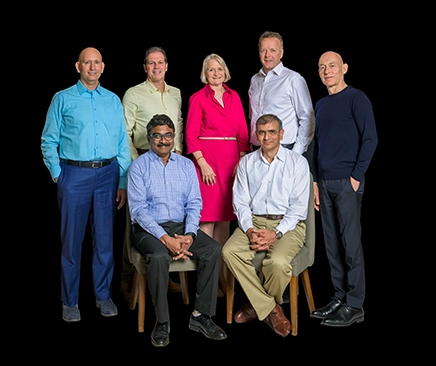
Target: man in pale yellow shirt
{"x":141,"y":102}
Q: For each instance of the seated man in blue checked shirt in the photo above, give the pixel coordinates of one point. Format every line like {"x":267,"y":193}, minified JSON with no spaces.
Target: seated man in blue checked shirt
{"x":165,"y":203}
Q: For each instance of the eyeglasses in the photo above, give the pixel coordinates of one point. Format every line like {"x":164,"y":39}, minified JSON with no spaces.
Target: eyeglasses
{"x":158,"y":136}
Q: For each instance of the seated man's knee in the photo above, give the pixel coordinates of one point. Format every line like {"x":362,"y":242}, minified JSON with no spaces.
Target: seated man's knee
{"x":161,"y":259}
{"x":228,"y":251}
{"x":225,"y":250}
{"x":277,"y":265}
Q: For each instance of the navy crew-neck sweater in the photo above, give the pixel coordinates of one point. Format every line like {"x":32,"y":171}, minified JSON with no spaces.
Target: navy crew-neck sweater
{"x":345,"y":135}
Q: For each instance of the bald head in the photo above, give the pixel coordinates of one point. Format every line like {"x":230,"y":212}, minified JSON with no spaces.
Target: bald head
{"x":330,"y":55}
{"x":90,"y":67}
{"x":331,"y":69}
{"x":89,"y":52}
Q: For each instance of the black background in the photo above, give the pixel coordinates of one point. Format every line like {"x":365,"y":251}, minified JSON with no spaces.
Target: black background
{"x":122,"y":34}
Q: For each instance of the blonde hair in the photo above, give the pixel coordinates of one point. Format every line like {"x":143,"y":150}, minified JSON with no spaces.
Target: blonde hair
{"x":220,"y":60}
{"x":269,"y":34}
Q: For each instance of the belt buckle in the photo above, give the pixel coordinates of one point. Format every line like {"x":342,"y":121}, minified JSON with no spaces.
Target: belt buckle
{"x":96,"y":164}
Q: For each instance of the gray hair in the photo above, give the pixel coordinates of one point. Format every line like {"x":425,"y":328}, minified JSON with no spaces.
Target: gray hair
{"x":155,"y":49}
{"x":268,"y":118}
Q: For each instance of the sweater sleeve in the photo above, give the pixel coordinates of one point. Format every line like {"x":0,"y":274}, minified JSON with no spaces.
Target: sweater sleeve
{"x":365,"y":122}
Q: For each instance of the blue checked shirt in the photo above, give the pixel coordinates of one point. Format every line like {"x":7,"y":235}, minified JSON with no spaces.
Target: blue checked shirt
{"x":159,"y":193}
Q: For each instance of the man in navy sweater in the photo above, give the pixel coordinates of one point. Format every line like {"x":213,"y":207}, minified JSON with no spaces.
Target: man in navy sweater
{"x":344,"y":143}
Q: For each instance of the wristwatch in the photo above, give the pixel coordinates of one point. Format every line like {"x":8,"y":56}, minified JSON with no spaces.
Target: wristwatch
{"x":193,"y":235}
{"x":279,"y":234}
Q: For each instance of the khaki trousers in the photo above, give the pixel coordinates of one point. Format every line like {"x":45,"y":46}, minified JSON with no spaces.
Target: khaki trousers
{"x":265,"y":291}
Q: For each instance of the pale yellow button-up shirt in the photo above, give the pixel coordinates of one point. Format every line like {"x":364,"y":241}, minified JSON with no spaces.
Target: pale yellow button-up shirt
{"x":141,"y":102}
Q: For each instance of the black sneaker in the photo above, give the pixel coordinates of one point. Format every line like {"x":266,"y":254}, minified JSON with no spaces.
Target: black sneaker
{"x":205,"y":325}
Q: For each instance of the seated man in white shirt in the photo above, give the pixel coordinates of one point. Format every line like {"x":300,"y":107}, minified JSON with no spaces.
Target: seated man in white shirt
{"x":270,"y":196}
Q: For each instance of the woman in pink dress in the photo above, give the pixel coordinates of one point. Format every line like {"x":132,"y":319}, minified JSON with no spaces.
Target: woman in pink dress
{"x":217,"y":137}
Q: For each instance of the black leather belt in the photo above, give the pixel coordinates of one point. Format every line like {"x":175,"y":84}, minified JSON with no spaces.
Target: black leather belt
{"x":272,"y":217}
{"x":289,"y":146}
{"x":89,"y":164}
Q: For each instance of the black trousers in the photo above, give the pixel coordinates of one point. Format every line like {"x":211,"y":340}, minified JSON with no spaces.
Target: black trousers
{"x":340,"y":216}
{"x":204,"y":249}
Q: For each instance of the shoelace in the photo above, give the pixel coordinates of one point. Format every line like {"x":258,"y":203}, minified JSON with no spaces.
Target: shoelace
{"x":207,"y":322}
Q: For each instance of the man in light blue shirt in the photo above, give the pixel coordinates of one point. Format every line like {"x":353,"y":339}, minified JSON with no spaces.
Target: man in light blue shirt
{"x":165,"y":203}
{"x":85,"y":147}
{"x":270,"y":196}
{"x":278,"y":90}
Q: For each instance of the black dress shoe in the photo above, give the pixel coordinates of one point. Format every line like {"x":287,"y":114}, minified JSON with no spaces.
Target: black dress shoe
{"x":205,"y":325}
{"x":345,"y":316}
{"x":331,"y":308}
{"x":160,"y":337}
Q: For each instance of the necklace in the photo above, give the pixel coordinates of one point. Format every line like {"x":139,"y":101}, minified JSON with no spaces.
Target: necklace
{"x":222,"y":92}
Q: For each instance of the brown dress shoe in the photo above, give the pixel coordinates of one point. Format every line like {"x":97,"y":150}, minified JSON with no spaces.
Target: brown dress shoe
{"x":174,"y":286}
{"x":277,"y":321}
{"x":245,"y":314}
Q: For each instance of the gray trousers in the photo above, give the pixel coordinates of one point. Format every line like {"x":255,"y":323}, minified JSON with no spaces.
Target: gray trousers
{"x":340,"y":216}
{"x":204,"y":249}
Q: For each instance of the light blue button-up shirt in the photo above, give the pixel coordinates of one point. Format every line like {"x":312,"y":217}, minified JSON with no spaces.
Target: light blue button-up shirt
{"x":85,"y":125}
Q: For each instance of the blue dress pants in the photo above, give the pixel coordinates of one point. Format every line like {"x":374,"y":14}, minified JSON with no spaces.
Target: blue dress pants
{"x":87,"y":195}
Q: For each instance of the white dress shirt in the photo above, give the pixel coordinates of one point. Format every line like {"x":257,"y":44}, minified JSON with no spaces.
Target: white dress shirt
{"x":284,"y":93}
{"x":279,"y":188}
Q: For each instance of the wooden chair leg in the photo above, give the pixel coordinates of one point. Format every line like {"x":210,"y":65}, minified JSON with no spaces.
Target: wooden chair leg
{"x":142,"y":287}
{"x":294,"y":304}
{"x":184,"y":283}
{"x":230,"y":293}
{"x":134,"y":295}
{"x":308,"y":289}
